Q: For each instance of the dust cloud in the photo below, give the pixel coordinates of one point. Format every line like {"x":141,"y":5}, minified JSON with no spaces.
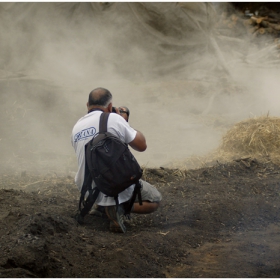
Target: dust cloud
{"x":184,"y":84}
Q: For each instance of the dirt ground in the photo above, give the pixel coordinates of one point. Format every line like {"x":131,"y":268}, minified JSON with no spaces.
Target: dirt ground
{"x":219,"y":221}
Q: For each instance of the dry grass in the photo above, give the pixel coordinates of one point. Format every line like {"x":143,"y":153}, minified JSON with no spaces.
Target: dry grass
{"x":257,"y":137}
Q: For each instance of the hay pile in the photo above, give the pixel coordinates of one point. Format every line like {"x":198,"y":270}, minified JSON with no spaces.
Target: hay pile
{"x":257,"y":137}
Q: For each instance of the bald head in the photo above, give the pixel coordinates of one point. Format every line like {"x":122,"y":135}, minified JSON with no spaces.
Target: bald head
{"x":99,"y":97}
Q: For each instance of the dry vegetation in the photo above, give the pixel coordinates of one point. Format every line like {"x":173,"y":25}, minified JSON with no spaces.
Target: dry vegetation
{"x":258,"y":20}
{"x":257,"y":137}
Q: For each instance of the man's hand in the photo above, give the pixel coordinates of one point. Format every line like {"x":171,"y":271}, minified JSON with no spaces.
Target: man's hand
{"x":123,"y":111}
{"x":139,"y":142}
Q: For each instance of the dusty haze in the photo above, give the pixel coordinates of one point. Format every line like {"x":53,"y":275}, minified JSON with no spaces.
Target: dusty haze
{"x":159,"y":59}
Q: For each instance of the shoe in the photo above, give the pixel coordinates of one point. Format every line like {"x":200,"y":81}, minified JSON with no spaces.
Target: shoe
{"x":97,"y":211}
{"x":117,"y":218}
{"x":79,"y":218}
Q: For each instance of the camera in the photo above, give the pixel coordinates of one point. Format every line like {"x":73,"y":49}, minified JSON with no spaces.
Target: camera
{"x":126,"y":111}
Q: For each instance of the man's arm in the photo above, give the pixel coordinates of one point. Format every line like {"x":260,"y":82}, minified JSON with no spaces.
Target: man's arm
{"x":139,"y":142}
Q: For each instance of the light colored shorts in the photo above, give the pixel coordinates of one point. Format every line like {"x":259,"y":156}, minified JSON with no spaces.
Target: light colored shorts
{"x":149,"y":193}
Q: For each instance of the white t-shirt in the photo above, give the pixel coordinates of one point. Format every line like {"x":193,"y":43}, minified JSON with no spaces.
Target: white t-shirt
{"x":82,"y":133}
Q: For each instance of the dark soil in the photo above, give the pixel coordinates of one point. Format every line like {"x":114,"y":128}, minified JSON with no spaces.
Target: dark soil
{"x":220,"y":221}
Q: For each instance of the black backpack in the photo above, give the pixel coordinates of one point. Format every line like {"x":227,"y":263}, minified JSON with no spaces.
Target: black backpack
{"x":113,"y":168}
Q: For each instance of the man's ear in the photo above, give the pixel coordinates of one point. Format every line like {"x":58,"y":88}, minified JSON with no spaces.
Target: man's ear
{"x":110,"y":107}
{"x":87,"y":104}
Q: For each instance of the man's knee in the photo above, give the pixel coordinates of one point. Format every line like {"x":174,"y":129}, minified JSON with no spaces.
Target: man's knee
{"x":156,"y":205}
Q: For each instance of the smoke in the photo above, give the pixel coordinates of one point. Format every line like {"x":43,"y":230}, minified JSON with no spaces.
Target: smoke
{"x":183,"y":84}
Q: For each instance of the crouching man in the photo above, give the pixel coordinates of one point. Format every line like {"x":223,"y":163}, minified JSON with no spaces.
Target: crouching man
{"x":100,"y":100}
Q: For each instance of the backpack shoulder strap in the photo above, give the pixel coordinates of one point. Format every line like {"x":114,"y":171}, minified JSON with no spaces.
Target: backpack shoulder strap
{"x":137,"y":191}
{"x":103,"y":122}
{"x":92,"y":194}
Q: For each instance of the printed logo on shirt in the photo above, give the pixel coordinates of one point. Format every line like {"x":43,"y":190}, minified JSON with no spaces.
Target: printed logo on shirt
{"x":85,"y":133}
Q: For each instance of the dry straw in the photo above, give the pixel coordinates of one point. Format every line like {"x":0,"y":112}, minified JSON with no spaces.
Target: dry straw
{"x":258,"y":136}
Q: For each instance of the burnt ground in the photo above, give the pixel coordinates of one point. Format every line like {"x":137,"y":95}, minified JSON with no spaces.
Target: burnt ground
{"x":219,"y":221}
